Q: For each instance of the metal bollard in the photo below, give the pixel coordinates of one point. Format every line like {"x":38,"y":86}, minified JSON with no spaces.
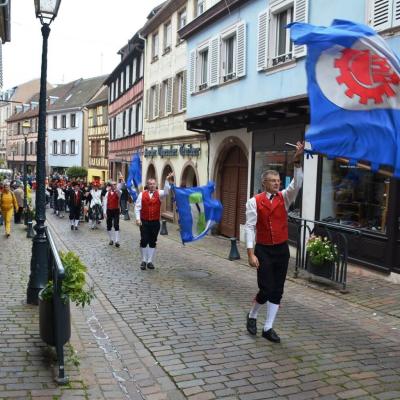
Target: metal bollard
{"x":31,"y":233}
{"x":164,"y":230}
{"x":234,"y":253}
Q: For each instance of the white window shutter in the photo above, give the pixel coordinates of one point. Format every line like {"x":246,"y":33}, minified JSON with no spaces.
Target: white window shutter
{"x":262,"y":40}
{"x":157,"y":101}
{"x":396,"y":13}
{"x":300,"y":15}
{"x":169,"y":96}
{"x":192,"y":71}
{"x":213,"y":60}
{"x":241,"y":43}
{"x":147,"y":106}
{"x":184,"y":89}
{"x":381,"y":14}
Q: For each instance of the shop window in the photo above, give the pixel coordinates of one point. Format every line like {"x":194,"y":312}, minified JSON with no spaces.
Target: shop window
{"x":354,"y":197}
{"x":280,"y":161}
{"x":169,"y":204}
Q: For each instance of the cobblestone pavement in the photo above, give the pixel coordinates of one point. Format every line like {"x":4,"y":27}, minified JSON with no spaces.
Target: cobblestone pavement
{"x":179,"y":331}
{"x":189,"y":313}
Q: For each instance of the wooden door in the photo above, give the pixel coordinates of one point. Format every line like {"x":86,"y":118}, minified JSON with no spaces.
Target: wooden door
{"x":233,"y":189}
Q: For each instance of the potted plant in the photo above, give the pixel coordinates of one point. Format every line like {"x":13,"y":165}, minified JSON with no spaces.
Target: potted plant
{"x":72,"y":288}
{"x":322,"y":255}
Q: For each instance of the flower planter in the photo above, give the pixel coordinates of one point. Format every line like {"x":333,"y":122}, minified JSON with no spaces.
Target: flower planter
{"x":324,"y":270}
{"x":46,"y":321}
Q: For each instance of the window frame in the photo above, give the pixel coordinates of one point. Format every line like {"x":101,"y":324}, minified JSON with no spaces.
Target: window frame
{"x":55,"y":147}
{"x":64,"y":121}
{"x":224,"y":38}
{"x":155,"y":46}
{"x":55,"y":121}
{"x":72,"y":147}
{"x":73,"y":120}
{"x":203,"y":67}
{"x":167,"y":42}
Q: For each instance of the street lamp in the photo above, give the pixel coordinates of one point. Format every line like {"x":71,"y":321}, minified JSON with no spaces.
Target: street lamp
{"x":25,"y":131}
{"x":46,"y":11}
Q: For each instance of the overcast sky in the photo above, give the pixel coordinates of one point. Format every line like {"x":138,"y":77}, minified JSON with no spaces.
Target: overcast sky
{"x":84,"y":39}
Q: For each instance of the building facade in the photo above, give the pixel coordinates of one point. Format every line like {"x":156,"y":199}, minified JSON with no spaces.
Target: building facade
{"x":247,"y":89}
{"x":168,"y":145}
{"x":97,"y":134}
{"x":65,"y":126}
{"x":125,"y":108}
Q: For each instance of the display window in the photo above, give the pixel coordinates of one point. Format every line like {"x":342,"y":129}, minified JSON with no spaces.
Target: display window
{"x":353,"y":197}
{"x":280,"y":161}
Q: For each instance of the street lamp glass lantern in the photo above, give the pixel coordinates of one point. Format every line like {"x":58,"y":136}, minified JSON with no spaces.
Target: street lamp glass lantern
{"x":46,"y":10}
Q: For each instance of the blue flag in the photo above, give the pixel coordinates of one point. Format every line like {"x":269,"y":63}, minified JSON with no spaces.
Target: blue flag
{"x":134,"y":176}
{"x":197,"y":211}
{"x":354,"y":92}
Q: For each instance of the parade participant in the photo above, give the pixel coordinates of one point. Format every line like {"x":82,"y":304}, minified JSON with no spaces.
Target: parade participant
{"x":95,"y":208}
{"x":19,"y":195}
{"x":148,"y":212}
{"x":60,"y":200}
{"x":75,"y":203}
{"x":111,"y":212}
{"x":266,"y":224}
{"x":8,"y":203}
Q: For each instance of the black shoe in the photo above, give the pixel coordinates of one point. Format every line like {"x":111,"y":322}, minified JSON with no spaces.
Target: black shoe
{"x":110,"y":242}
{"x":142,"y":265}
{"x":7,"y":235}
{"x":72,"y":227}
{"x":76,"y":228}
{"x":251,"y":325}
{"x":150,"y":265}
{"x":271,"y":335}
{"x":116,"y":244}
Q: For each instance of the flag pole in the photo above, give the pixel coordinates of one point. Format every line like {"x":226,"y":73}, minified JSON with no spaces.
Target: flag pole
{"x":347,"y":161}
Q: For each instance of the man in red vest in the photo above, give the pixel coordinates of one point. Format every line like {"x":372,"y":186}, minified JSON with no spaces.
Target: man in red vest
{"x":148,"y":212}
{"x":111,"y":212}
{"x":75,"y":198}
{"x":267,"y":226}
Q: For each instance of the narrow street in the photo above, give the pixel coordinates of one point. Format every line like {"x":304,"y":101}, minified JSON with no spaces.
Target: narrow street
{"x":186,"y":319}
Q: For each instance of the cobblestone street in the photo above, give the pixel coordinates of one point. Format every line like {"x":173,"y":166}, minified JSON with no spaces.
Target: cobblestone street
{"x":179,"y":331}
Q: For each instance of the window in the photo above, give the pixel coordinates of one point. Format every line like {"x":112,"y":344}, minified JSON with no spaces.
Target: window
{"x":384,"y":14}
{"x":167,"y":37}
{"x":353,"y":197}
{"x":19,"y":128}
{"x":36,"y":147}
{"x":127,"y":74}
{"x":182,"y":19}
{"x":55,"y":122}
{"x":203,"y":69}
{"x":55,"y":147}
{"x":73,"y":121}
{"x":229,"y":57}
{"x":72,"y":147}
{"x":180,"y":92}
{"x":30,"y":147}
{"x":132,"y":119}
{"x":63,"y":121}
{"x":283,"y":46}
{"x":153,"y":102}
{"x":154,"y":47}
{"x":138,"y":68}
{"x":134,"y":72}
{"x":63,"y":147}
{"x":138,"y":118}
{"x":106,"y":148}
{"x":124,"y":126}
{"x":121,"y":81}
{"x":164,"y":98}
{"x":200,"y":7}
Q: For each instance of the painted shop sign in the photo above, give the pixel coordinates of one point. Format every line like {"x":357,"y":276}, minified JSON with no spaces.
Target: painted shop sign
{"x":172,"y":151}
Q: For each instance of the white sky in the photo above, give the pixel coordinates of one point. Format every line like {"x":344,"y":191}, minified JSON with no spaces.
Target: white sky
{"x":84,"y":39}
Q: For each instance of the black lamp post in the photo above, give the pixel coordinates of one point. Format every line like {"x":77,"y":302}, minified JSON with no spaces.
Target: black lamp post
{"x":46,"y":11}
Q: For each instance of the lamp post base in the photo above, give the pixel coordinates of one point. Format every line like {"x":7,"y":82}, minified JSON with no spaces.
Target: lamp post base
{"x":39,"y":267}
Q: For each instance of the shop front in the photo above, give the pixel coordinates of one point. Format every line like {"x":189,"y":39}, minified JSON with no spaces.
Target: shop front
{"x":367,"y":202}
{"x":187,"y":159}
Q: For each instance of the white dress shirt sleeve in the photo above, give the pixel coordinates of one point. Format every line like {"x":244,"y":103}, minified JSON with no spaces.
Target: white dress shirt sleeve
{"x":290,"y":193}
{"x":105,"y":203}
{"x":164,"y":192}
{"x":251,"y":221}
{"x":138,"y":206}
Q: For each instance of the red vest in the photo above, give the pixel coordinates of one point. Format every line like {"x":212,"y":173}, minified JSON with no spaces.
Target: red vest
{"x":151,"y":207}
{"x":272,"y":223}
{"x":112,"y":200}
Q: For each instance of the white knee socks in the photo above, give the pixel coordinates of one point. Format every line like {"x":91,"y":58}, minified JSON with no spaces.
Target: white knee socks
{"x":150,"y":254}
{"x":272,"y":310}
{"x":254,"y":309}
{"x":116,"y":236}
{"x":110,"y":235}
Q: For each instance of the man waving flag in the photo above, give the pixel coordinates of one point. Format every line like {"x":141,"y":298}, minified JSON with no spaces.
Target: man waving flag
{"x":354,"y":92}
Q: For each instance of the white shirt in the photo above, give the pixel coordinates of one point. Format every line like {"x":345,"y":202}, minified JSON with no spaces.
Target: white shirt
{"x":161,"y":193}
{"x":289,"y":196}
{"x":60,"y":194}
{"x":96,"y":197}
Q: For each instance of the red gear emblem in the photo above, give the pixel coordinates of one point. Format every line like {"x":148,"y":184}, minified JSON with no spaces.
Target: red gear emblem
{"x":367,"y":75}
